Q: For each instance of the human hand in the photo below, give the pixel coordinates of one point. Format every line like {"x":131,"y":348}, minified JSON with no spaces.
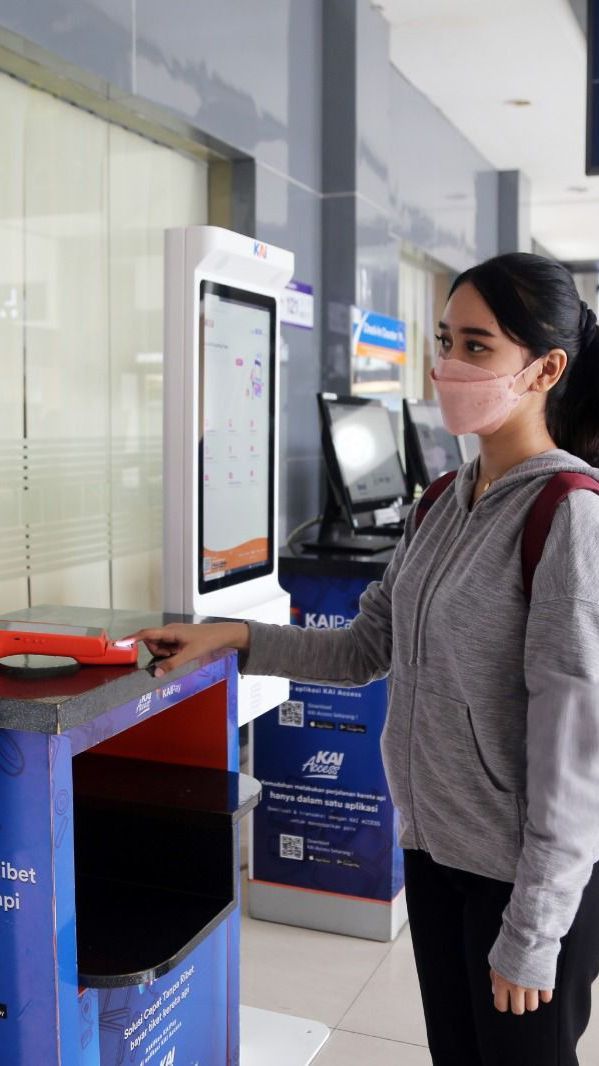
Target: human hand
{"x":519,"y":998}
{"x":177,"y":643}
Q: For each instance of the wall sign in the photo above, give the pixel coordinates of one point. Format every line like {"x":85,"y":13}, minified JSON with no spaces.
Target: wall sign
{"x":297,"y":305}
{"x":378,"y":336}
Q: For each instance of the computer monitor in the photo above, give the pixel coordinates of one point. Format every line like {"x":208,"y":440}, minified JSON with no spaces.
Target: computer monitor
{"x":430,"y":449}
{"x":236,"y":333}
{"x":361,"y":457}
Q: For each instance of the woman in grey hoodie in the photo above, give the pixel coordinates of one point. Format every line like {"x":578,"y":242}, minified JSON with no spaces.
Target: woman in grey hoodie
{"x":491,"y":744}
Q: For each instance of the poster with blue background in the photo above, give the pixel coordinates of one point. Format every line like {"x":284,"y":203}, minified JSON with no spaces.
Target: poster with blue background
{"x":326,"y":821}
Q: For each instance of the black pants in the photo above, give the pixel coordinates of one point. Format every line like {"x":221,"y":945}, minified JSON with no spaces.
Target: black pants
{"x":454,"y":919}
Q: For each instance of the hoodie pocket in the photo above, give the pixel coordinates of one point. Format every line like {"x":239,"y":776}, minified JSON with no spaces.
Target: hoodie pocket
{"x":461,"y":814}
{"x":395,"y":741}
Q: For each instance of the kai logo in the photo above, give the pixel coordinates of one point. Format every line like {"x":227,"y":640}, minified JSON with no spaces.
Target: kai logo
{"x":144,"y":704}
{"x":171,"y":690}
{"x":326,"y":621}
{"x":325,"y":764}
{"x":169,"y":1059}
{"x":260,"y":250}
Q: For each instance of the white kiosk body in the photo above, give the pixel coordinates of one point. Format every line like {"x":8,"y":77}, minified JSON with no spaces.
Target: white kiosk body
{"x":221,"y":422}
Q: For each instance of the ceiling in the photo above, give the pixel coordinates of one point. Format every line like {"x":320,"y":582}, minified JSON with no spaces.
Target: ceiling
{"x":471,"y":56}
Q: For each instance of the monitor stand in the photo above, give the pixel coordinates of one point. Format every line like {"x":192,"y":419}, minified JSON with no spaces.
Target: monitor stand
{"x":336,"y":536}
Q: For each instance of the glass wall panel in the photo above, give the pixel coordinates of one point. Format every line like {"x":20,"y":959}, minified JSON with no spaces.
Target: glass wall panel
{"x":13,"y":97}
{"x":83,"y":208}
{"x":13,"y":566}
{"x":66,"y":348}
{"x":151,"y":189}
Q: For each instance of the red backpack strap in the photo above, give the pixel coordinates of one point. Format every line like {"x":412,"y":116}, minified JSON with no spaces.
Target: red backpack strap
{"x":540,"y":517}
{"x":432,"y":493}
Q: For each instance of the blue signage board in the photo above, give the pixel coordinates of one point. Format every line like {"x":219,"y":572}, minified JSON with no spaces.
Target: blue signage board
{"x":326,"y":821}
{"x":378,"y":336}
{"x":36,"y":1011}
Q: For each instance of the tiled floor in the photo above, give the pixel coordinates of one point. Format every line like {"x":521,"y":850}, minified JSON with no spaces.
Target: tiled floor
{"x":366,"y":992}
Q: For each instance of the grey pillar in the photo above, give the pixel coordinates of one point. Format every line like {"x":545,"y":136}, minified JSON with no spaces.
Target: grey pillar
{"x":513,"y":215}
{"x":339,"y":189}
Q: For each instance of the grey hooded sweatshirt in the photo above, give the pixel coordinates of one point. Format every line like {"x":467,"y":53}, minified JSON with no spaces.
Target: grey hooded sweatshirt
{"x":491,"y":743}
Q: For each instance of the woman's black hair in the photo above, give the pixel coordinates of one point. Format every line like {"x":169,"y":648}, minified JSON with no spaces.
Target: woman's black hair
{"x":536,"y":304}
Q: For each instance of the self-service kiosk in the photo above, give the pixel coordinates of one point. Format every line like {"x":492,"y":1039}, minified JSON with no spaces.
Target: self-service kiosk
{"x":221,"y":434}
{"x":119,"y":840}
{"x":221,"y":422}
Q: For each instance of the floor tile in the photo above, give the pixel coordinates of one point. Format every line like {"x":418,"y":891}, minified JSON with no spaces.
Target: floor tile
{"x":390,"y":1006}
{"x":352,"y":1049}
{"x":300,"y":971}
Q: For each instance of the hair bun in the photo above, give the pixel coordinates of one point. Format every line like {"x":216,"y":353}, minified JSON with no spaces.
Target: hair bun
{"x":587,"y":326}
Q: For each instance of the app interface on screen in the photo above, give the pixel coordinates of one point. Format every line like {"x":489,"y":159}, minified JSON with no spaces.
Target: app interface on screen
{"x":367,"y":452}
{"x":236,"y":435}
{"x":440,"y":449}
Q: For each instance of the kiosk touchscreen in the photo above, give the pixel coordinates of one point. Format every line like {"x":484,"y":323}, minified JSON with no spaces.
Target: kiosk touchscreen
{"x":430,"y":449}
{"x":236,"y":437}
{"x":222,"y":294}
{"x":367,"y":484}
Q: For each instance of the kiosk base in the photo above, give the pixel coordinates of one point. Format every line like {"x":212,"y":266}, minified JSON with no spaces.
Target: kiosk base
{"x":328,"y":912}
{"x":324,"y":844}
{"x":269,"y":1039}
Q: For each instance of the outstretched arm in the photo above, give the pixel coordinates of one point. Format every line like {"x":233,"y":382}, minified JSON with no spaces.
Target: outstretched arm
{"x":352,"y":656}
{"x":178,"y":643}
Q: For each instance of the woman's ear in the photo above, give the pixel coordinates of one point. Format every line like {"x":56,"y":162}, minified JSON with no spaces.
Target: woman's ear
{"x":554,"y":365}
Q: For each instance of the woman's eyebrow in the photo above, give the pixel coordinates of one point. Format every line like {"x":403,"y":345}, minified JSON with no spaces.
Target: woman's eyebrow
{"x":475,"y":330}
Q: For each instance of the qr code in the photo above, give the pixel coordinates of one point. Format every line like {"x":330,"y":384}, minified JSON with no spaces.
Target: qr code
{"x":291,"y":713}
{"x":291,"y":847}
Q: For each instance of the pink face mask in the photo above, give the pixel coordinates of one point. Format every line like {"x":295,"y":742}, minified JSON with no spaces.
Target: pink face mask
{"x":473,"y":399}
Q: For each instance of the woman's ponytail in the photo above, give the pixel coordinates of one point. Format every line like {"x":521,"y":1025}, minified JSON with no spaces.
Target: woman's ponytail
{"x":573,"y":408}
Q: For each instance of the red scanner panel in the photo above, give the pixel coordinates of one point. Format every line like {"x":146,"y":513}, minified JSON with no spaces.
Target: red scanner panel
{"x":91,"y":647}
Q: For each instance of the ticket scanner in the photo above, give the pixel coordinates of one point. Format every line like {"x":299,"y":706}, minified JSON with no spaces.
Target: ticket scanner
{"x":221,"y":421}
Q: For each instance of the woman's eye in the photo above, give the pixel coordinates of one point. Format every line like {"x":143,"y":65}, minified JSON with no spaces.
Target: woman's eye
{"x":444,"y":341}
{"x":475,"y":347}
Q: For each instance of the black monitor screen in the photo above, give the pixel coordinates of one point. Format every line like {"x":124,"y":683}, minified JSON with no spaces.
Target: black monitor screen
{"x":438,"y":449}
{"x":237,"y":331}
{"x":363,"y":440}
